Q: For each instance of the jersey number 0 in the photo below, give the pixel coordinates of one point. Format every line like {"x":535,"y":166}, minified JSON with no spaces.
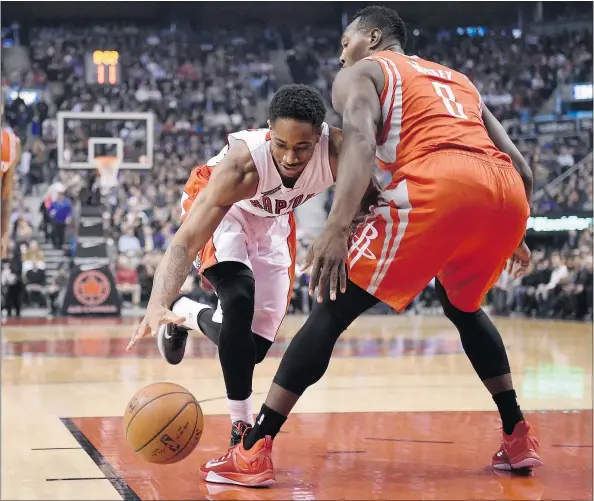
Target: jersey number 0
{"x":449,"y":100}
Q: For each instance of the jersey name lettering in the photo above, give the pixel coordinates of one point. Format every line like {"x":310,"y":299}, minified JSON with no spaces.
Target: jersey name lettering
{"x":446,"y":75}
{"x":265,"y":203}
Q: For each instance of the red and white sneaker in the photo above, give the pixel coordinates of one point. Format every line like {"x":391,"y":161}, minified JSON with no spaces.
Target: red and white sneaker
{"x":251,"y":468}
{"x":518,"y":450}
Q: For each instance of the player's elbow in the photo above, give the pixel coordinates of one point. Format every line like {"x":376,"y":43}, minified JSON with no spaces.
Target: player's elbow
{"x":365,"y":142}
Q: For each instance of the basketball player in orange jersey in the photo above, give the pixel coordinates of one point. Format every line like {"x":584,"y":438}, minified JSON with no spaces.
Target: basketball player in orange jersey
{"x":239,"y":221}
{"x":11,"y":154}
{"x":456,"y":208}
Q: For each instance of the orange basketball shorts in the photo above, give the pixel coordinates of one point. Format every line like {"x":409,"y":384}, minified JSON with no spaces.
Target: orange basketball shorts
{"x":453,"y":215}
{"x":266,"y":245}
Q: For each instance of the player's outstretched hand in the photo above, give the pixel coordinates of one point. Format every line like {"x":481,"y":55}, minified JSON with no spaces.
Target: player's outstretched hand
{"x":154,"y":317}
{"x":327,"y":256}
{"x":518,"y":263}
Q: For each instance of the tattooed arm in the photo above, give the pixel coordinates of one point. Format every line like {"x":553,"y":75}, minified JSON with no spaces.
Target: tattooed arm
{"x":170,"y":274}
{"x":234,"y":178}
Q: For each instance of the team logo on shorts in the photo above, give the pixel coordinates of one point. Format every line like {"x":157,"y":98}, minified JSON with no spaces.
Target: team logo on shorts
{"x":91,"y":288}
{"x":361,"y":244}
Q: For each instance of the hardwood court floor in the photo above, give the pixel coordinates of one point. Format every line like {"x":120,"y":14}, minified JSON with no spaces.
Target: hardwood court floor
{"x":400,"y":414}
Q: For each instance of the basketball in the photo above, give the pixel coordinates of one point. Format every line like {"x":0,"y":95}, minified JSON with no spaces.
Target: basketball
{"x":163,"y":423}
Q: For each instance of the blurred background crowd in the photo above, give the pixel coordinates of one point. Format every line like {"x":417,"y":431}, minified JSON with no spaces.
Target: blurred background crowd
{"x":201,"y":84}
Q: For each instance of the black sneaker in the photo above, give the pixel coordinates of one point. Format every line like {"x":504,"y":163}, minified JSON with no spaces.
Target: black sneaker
{"x":171,"y":340}
{"x":238,"y":430}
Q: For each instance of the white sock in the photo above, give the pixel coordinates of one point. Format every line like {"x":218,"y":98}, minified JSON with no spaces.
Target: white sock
{"x":242,"y":410}
{"x":188,"y":308}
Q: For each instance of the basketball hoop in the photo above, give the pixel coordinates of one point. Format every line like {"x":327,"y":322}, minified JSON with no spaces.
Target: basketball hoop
{"x":108,"y":168}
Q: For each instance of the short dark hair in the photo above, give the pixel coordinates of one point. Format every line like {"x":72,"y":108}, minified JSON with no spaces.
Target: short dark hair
{"x":299,"y":102}
{"x":385,"y":19}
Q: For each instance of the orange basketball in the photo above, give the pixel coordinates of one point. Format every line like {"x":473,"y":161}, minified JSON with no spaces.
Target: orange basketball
{"x":163,"y":423}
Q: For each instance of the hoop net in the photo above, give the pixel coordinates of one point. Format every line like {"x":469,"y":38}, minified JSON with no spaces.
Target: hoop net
{"x":108,"y":168}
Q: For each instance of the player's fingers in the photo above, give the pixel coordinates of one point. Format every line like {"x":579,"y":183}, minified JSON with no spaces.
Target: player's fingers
{"x":342,"y":274}
{"x":154,"y":328}
{"x":523,"y":266}
{"x":315,"y":275}
{"x":140,"y":333}
{"x":333,"y":280}
{"x":171,"y":318}
{"x":324,"y":277}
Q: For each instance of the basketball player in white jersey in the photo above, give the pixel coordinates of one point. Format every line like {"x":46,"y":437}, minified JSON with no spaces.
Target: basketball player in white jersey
{"x":238,"y":220}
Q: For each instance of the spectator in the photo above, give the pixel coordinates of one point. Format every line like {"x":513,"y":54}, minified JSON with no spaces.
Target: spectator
{"x":12,"y":279}
{"x":570,"y":301}
{"x":146,"y":273}
{"x":56,"y":287}
{"x":45,"y":208}
{"x":37,"y":163}
{"x":147,"y":241}
{"x":128,"y":242}
{"x":136,"y":216}
{"x":33,"y":256}
{"x":164,"y":236}
{"x":22,"y":230}
{"x":127,"y":280}
{"x":24,"y":169}
{"x":559,"y":273}
{"x":61,"y":214}
{"x":35,"y":282}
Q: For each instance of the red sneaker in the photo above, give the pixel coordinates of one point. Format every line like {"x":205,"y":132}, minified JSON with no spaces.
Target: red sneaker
{"x":518,"y":450}
{"x":251,"y":468}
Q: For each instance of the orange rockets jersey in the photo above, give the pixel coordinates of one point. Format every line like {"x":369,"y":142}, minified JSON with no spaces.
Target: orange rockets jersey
{"x":9,"y":149}
{"x":427,"y":107}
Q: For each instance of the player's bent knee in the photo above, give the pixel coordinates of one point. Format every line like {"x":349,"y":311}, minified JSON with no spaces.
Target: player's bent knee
{"x":237,"y":297}
{"x":298,"y":375}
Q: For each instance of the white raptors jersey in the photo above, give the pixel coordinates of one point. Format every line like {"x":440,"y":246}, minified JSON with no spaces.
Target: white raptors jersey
{"x":272,"y":198}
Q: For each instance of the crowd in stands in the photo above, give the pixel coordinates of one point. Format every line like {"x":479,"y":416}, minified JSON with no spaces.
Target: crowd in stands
{"x":571,"y":194}
{"x":558,"y":283}
{"x":514,"y":75}
{"x":201,"y":86}
{"x":198,"y":88}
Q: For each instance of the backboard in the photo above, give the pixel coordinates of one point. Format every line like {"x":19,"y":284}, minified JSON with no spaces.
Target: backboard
{"x":83,"y":136}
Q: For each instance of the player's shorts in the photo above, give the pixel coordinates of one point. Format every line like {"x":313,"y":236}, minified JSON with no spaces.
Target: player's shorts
{"x":266,"y":245}
{"x":453,"y":215}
